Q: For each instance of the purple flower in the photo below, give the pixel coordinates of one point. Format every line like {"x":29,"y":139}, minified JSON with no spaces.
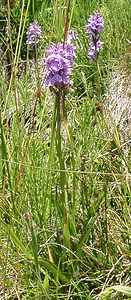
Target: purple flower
{"x":96,"y":24}
{"x":33,"y":34}
{"x":94,"y":28}
{"x":68,"y":51}
{"x":94,"y":48}
{"x":59,"y":65}
{"x":72,"y":35}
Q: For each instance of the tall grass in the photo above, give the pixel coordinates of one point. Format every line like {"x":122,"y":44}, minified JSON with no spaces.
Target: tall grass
{"x":65,"y":185}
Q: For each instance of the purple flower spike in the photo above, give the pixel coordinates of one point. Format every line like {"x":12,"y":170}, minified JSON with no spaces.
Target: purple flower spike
{"x":33,"y":34}
{"x":59,"y":65}
{"x":94,"y":48}
{"x":67,"y":52}
{"x":96,"y":24}
{"x":94,"y":28}
{"x":72,"y":36}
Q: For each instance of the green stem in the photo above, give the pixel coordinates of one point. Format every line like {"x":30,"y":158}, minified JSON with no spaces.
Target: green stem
{"x":97,"y":79}
{"x":63,"y":183}
{"x":50,"y":161}
{"x":5,"y":162}
{"x":69,"y":133}
{"x":59,"y":148}
{"x":106,"y":220}
{"x":37,"y":74}
{"x":17,"y":54}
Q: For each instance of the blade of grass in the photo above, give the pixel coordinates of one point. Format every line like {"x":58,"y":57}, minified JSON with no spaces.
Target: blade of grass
{"x":51,"y":267}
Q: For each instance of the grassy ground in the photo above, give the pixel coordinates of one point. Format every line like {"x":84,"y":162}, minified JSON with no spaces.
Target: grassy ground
{"x":65,"y":225}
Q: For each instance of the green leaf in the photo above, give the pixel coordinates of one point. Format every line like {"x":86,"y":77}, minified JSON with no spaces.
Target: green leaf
{"x":46,"y":281}
{"x":53,"y":269}
{"x":18,"y":243}
{"x":85,"y":234}
{"x":47,"y":264}
{"x":126,"y":290}
{"x":34,"y":248}
{"x":67,"y":236}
